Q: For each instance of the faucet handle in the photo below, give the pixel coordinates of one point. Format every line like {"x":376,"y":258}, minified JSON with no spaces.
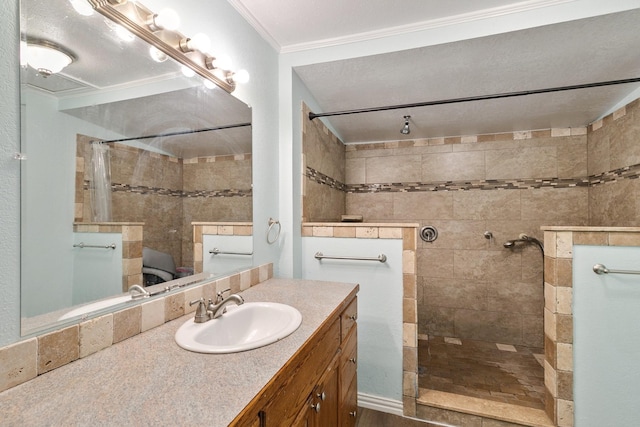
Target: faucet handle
{"x":219,"y":295}
{"x":201,"y":311}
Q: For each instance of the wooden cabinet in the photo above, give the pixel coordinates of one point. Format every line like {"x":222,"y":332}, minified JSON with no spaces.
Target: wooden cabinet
{"x":318,"y":386}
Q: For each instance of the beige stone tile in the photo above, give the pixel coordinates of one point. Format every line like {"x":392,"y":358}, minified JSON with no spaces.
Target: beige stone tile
{"x":423,"y":205}
{"x":192,"y":294}
{"x":173,"y":306}
{"x":210,"y":229}
{"x":550,"y":379}
{"x":131,"y":266}
{"x":307,"y":231}
{"x":323,"y":231}
{"x":455,"y":293}
{"x":197,"y":252}
{"x":624,"y":239}
{"x":550,"y":301}
{"x":355,"y":169}
{"x":489,"y":326}
{"x":556,"y":206}
{"x":521,"y":162}
{"x":564,"y":328}
{"x":409,"y":335}
{"x":234,"y":283}
{"x":393,"y":169}
{"x":127,"y":323}
{"x":58,"y":348}
{"x":436,"y":263}
{"x":390,"y":233}
{"x":486,"y":265}
{"x":550,"y":352}
{"x":485,"y":205}
{"x":533,"y":330}
{"x":344,"y":232}
{"x":590,"y":238}
{"x":565,"y":385}
{"x":550,"y":325}
{"x":152,"y":314}
{"x":409,"y":359}
{"x":564,"y":272}
{"x":409,"y":310}
{"x":564,"y":298}
{"x":18,"y":363}
{"x":572,"y":158}
{"x":409,"y":262}
{"x":550,"y":267}
{"x":556,"y":132}
{"x":458,"y":166}
{"x":550,"y":238}
{"x":409,"y":239}
{"x":264,"y":272}
{"x":409,"y":384}
{"x":565,"y":413}
{"x":564,"y":244}
{"x":130,"y":233}
{"x":367,"y":232}
{"x":245,"y":280}
{"x":514,"y":296}
{"x":409,"y":286}
{"x":460,"y":234}
{"x":96,"y":334}
{"x":372,"y":206}
{"x":565,"y":356}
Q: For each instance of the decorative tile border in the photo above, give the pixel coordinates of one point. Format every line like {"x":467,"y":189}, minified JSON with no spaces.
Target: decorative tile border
{"x":628,"y":172}
{"x":141,"y":189}
{"x":409,"y":235}
{"x":25,"y":360}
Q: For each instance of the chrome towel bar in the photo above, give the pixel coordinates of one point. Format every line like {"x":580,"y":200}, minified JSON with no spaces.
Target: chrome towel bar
{"x":216,"y":251}
{"x":380,"y":258}
{"x":81,"y":245}
{"x":601,"y":269}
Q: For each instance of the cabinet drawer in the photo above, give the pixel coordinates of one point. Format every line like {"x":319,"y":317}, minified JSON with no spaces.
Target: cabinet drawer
{"x":348,"y":318}
{"x":348,"y":362}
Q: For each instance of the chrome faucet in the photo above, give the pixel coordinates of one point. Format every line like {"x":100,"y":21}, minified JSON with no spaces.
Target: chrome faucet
{"x":211,"y":310}
{"x":138,"y":292}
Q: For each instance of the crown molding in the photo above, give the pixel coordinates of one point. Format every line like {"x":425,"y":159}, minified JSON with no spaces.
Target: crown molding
{"x":248,"y":16}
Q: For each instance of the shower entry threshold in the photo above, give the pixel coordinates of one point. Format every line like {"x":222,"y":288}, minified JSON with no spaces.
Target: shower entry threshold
{"x":455,"y":409}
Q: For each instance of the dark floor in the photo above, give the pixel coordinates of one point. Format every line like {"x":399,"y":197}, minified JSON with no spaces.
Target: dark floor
{"x":481,"y":369}
{"x":371,"y":418}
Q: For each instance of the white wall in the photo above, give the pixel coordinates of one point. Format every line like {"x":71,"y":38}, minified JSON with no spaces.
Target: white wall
{"x":606,"y":329}
{"x":379,"y":307}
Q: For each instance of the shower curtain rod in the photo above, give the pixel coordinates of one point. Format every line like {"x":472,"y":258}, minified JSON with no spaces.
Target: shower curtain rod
{"x":474,"y":98}
{"x":185,"y":132}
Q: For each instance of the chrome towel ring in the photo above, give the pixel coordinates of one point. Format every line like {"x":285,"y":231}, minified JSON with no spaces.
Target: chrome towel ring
{"x":272,"y":223}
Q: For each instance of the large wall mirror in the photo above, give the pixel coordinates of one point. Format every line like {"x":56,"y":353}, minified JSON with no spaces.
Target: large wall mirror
{"x":124,"y":150}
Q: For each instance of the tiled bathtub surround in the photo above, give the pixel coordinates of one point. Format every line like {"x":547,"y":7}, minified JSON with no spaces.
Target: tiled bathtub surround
{"x":23,"y":361}
{"x":168,"y":193}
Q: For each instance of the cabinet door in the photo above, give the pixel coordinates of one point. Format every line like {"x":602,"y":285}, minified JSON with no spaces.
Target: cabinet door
{"x":325,"y":397}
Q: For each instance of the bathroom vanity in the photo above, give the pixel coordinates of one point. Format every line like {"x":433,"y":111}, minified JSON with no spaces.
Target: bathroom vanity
{"x":307,"y":378}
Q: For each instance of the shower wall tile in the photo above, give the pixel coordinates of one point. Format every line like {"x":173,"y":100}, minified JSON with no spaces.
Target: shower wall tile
{"x":404,"y":168}
{"x":355,"y":170}
{"x":478,"y":205}
{"x":414,"y":206}
{"x":557,"y":206}
{"x":455,"y":293}
{"x":435,"y":263}
{"x":469,"y":165}
{"x":523,"y":297}
{"x":505,"y":327}
{"x":374,"y":207}
{"x":454,"y":234}
{"x":534,"y":162}
{"x":486,"y":265}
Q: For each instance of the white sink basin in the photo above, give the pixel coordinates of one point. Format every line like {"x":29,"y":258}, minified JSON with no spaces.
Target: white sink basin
{"x":242,"y":327}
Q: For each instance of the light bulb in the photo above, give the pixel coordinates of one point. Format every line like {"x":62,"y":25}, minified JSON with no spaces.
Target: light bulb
{"x":188,"y":72}
{"x":209,"y":84}
{"x":157,"y":55}
{"x":82,"y":7}
{"x":240,"y":76}
{"x":167,"y":19}
{"x":220,"y":61}
{"x":200,"y":42}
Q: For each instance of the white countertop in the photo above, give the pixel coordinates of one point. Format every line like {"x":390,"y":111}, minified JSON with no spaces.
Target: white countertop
{"x":149,"y":380}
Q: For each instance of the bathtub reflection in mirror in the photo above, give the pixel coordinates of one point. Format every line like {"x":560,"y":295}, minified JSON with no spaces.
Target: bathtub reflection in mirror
{"x":174,"y":156}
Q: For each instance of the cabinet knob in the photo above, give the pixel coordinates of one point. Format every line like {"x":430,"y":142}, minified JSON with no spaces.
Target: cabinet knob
{"x":353,"y":360}
{"x":353,"y":317}
{"x":316,"y":407}
{"x":353,"y":413}
{"x":322,"y":396}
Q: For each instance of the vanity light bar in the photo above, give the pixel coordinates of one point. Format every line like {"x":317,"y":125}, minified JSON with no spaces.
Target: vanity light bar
{"x":135,"y":18}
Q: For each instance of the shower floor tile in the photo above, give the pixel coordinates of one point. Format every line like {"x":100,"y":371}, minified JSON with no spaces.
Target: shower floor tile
{"x":481,"y":369}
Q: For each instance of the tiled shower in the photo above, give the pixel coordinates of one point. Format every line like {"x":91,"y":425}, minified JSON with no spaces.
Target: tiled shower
{"x":470,"y":287}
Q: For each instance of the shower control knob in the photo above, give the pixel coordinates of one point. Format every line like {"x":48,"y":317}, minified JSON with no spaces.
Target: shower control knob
{"x":428,"y":233}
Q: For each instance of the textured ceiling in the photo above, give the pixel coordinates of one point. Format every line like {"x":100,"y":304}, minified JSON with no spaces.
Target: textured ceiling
{"x":576,"y":52}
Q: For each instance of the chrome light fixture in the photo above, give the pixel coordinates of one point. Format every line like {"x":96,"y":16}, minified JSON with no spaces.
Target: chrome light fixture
{"x":47,"y":57}
{"x":160,"y":30}
{"x":405,"y":129}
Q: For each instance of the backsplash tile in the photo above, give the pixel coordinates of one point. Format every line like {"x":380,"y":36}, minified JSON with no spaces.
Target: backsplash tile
{"x":25,"y":360}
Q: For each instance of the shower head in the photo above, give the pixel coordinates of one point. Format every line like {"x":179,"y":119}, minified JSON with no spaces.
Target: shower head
{"x":405,"y":129}
{"x":509,"y":244}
